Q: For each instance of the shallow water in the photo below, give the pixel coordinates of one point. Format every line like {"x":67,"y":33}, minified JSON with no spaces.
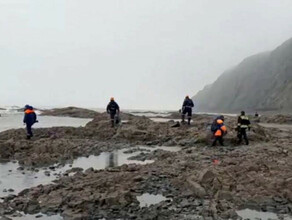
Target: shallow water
{"x":255,"y":215}
{"x":148,"y":199}
{"x":11,"y":121}
{"x":164,"y":120}
{"x":11,"y":178}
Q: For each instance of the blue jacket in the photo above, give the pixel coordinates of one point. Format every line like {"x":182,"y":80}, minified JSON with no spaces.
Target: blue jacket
{"x":188,"y":103}
{"x":29,"y":116}
{"x":112,"y":107}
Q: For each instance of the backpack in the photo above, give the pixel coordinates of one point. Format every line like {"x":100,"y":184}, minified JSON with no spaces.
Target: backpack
{"x":214,"y":126}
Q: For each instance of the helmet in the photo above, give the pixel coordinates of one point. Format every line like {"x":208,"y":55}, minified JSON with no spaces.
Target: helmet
{"x":26,"y":107}
{"x":112,"y":99}
{"x":187,"y":97}
{"x":221,"y":117}
{"x":242,"y":112}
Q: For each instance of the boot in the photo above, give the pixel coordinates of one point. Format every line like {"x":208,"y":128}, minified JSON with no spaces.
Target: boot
{"x":183,"y":119}
{"x":189,"y":121}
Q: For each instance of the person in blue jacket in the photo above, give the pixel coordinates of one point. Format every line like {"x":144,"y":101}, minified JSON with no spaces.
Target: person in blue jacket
{"x":113,"y":110}
{"x":187,"y":109}
{"x":29,"y":119}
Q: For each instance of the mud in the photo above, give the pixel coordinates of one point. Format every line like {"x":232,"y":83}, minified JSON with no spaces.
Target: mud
{"x":199,"y":182}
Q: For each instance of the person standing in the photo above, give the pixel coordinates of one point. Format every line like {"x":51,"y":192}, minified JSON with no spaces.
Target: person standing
{"x":113,"y":110}
{"x":243,"y":125}
{"x":187,"y":109}
{"x":29,"y":119}
{"x":219,"y":130}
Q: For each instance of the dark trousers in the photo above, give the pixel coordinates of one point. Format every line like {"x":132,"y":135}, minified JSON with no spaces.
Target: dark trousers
{"x":29,"y":131}
{"x":113,"y":115}
{"x":219,"y":139}
{"x":242,"y":134}
{"x":188,"y":112}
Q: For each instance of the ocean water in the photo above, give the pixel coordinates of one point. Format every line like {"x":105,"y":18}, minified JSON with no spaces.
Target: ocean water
{"x":15,"y":120}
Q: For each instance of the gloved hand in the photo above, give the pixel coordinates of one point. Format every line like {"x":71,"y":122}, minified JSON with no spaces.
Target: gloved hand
{"x":36,"y":121}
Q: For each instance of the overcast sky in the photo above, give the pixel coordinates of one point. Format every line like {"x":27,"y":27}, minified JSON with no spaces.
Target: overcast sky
{"x":148,"y":54}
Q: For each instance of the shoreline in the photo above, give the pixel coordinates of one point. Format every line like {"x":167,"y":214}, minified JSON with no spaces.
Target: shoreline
{"x":190,"y":178}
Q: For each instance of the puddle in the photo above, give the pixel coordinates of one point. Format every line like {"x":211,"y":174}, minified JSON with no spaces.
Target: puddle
{"x":164,"y":120}
{"x":37,"y":216}
{"x":148,"y":199}
{"x":256,"y":215}
{"x":13,"y":181}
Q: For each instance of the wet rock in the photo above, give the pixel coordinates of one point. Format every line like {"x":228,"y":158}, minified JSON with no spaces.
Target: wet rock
{"x":89,"y":170}
{"x":198,"y":190}
{"x":206,"y":177}
{"x":230,"y":214}
{"x":70,"y":112}
{"x":224,"y":195}
{"x":138,"y":179}
{"x":74,"y":170}
{"x":32,"y":207}
{"x":47,"y":173}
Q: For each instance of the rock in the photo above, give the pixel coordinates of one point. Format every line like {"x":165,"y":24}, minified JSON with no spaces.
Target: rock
{"x":224,"y":195}
{"x":206,"y":177}
{"x":230,"y":214}
{"x":198,"y":190}
{"x":32,"y":207}
{"x":20,"y":168}
{"x":47,"y":173}
{"x":71,"y":112}
{"x":138,"y":179}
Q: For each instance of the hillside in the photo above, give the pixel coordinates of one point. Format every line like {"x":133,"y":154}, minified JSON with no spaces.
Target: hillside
{"x":261,"y":82}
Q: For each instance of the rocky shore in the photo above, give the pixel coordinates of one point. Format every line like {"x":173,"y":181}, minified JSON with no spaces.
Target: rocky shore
{"x":198,"y":182}
{"x":70,"y":112}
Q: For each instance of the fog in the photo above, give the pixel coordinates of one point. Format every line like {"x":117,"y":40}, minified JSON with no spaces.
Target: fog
{"x":147,"y":54}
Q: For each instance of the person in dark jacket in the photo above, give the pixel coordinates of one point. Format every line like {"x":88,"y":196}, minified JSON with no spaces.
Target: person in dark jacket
{"x":29,"y":119}
{"x":113,"y":110}
{"x":243,"y":125}
{"x":219,"y":130}
{"x":187,"y":109}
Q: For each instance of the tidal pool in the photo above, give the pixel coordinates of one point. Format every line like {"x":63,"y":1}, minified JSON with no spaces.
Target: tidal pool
{"x":13,"y":180}
{"x":147,"y":199}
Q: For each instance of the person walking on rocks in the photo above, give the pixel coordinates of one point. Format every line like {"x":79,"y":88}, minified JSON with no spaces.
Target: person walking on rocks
{"x":113,"y":110}
{"x":29,"y":119}
{"x":243,"y":125}
{"x":219,"y":130}
{"x":187,"y":109}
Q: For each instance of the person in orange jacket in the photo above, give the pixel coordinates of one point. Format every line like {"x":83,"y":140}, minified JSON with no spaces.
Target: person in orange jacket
{"x":29,"y":119}
{"x":219,"y":130}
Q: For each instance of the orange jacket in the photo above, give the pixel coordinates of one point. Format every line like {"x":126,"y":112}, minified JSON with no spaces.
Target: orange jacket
{"x":222,"y":130}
